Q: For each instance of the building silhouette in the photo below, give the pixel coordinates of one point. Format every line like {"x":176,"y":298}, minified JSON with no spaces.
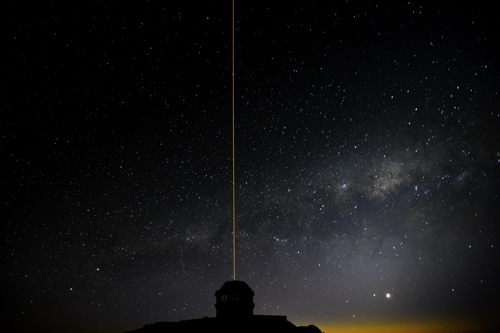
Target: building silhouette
{"x":234,"y":300}
{"x":234,"y":313}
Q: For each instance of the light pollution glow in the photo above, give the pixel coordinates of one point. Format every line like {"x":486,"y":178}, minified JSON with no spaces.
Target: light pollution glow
{"x":410,"y":326}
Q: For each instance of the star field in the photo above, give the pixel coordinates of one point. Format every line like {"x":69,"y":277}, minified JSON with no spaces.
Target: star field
{"x":366,"y":149}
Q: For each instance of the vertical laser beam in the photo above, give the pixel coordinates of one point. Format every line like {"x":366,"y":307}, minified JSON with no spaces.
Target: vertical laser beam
{"x":234,"y":184}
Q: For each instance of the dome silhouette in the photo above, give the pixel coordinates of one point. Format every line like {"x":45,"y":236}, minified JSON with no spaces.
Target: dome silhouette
{"x":234,"y":299}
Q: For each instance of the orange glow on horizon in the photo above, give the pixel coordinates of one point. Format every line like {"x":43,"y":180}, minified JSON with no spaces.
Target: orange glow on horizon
{"x":423,"y":326}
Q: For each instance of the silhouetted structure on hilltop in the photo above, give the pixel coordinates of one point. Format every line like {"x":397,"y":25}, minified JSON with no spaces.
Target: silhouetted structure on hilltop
{"x":234,"y":313}
{"x":234,"y":300}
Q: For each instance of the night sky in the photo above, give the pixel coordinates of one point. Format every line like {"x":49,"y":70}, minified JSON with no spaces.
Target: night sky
{"x":367,"y":153}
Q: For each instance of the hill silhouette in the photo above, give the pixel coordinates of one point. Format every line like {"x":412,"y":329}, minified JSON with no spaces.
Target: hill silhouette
{"x":234,"y":313}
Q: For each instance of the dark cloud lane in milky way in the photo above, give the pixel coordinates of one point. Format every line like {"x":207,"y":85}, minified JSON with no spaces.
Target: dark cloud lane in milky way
{"x":367,"y":163}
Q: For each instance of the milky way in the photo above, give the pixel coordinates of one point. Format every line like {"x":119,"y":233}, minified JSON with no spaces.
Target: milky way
{"x":366,"y":152}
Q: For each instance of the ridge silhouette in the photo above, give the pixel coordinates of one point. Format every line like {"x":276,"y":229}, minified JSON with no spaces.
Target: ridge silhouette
{"x":234,"y":313}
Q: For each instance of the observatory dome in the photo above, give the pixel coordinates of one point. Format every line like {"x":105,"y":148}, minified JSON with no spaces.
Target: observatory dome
{"x":234,"y":299}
